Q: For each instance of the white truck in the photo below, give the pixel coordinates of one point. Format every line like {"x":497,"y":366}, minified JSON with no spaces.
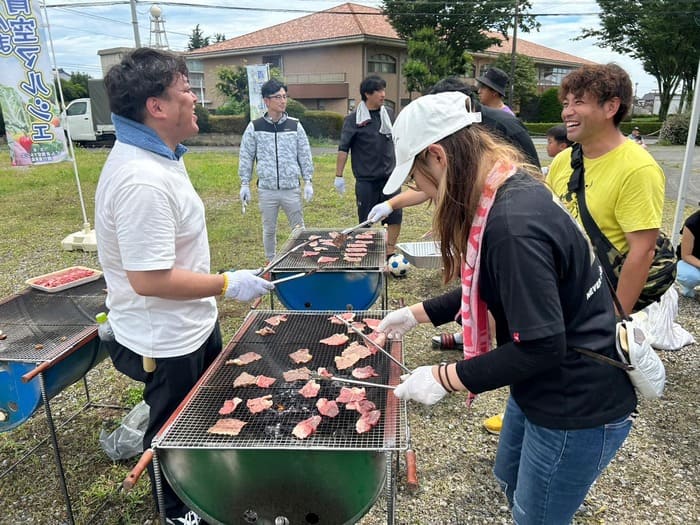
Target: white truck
{"x":88,"y":119}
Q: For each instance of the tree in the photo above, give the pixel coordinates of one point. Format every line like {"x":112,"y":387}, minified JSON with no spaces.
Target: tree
{"x":427,"y":61}
{"x":459,"y":25}
{"x":219,"y":37}
{"x":74,"y":87}
{"x":197,"y":39}
{"x":525,"y":78}
{"x":662,"y":34}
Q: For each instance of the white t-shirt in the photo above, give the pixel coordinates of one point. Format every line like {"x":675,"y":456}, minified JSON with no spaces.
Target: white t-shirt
{"x":149,"y":217}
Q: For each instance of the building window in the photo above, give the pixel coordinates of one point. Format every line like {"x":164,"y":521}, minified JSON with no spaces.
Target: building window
{"x":381,"y":64}
{"x":552,"y":75}
{"x":351,"y":105}
{"x":273,"y":60}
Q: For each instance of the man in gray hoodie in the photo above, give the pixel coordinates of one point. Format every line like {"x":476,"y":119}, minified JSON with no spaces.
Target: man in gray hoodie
{"x":281,"y":148}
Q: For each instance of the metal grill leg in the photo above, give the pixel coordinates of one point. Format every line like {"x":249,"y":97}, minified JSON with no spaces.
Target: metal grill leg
{"x":159,"y":486}
{"x":56,"y":451}
{"x":390,"y":487}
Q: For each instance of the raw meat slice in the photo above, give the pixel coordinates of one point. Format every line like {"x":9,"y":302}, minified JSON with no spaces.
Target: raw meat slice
{"x":355,"y":348}
{"x":350,"y":259}
{"x":379,"y":338}
{"x":227,"y":427}
{"x":301,"y":356}
{"x":230,"y":405}
{"x":345,"y":361}
{"x":297,"y":374}
{"x":367,"y":421}
{"x":366,"y":242}
{"x":265,"y":331}
{"x":372,"y":323}
{"x":358,"y":248}
{"x":306,"y":253}
{"x":305,"y":428}
{"x":326,"y":260}
{"x":313,"y":244}
{"x":245,"y":379}
{"x":365,"y":235}
{"x":244,"y":359}
{"x":335,"y":340}
{"x":264,"y":381}
{"x":362,"y":406}
{"x":333,"y":235}
{"x":351,"y":394}
{"x":320,"y":248}
{"x":314,"y":237}
{"x":364,"y":373}
{"x":327,"y":242}
{"x":347,"y":316}
{"x":63,"y":277}
{"x":327,"y":408}
{"x":322,"y":371}
{"x":310,"y":389}
{"x":275,"y":320}
{"x":258,"y":404}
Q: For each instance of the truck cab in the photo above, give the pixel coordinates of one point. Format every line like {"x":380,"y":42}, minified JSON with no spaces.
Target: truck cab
{"x":88,"y":119}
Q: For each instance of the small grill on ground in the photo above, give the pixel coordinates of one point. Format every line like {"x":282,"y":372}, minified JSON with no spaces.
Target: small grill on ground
{"x":265,"y":473}
{"x":337,"y":285}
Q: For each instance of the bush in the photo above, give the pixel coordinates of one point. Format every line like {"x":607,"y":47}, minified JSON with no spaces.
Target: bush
{"x":550,"y":107}
{"x":231,"y":124}
{"x":202,"y":118}
{"x":646,"y":127}
{"x":295,"y":108}
{"x":675,"y":129}
{"x":322,"y":124}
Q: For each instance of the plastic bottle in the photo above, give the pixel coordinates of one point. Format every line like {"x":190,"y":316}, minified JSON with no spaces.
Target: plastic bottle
{"x":104,"y":330}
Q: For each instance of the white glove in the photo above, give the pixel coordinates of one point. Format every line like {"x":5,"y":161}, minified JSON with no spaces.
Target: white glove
{"x":380,"y":211}
{"x":308,"y":191}
{"x":397,"y":323}
{"x":340,"y":185}
{"x":245,"y":285}
{"x":421,"y":386}
{"x":245,"y":193}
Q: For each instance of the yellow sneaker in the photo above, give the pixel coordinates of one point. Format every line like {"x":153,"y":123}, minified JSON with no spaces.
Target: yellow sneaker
{"x":494,"y":424}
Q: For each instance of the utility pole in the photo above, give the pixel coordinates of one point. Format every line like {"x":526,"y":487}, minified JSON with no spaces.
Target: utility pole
{"x":135,"y":23}
{"x":511,"y":91}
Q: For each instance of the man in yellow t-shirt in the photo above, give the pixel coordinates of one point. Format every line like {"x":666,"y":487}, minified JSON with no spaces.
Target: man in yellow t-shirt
{"x":624,"y":184}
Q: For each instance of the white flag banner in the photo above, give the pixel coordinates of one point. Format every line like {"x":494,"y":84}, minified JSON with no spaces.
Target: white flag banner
{"x":27,"y":93}
{"x":258,"y":74}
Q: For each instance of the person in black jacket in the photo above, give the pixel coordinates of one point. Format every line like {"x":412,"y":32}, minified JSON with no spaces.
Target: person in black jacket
{"x":522,"y":257}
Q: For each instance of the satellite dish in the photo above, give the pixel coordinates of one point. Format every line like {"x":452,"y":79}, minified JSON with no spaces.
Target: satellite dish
{"x":156,"y":11}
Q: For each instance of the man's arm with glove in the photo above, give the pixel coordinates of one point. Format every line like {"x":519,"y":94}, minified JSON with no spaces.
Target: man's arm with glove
{"x":380,"y":211}
{"x":244,"y":194}
{"x":397,"y":323}
{"x":422,"y":386}
{"x":308,"y":191}
{"x":245,"y":285}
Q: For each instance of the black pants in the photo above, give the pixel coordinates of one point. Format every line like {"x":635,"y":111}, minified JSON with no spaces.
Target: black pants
{"x":165,"y":388}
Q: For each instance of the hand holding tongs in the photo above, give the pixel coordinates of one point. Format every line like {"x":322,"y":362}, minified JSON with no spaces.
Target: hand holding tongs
{"x":375,"y":345}
{"x":340,"y":239}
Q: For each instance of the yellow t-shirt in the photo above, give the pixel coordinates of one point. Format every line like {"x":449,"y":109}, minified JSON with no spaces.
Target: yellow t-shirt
{"x":624,"y":190}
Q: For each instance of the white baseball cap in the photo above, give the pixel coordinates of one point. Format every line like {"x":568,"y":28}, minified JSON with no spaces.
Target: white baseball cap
{"x":423,"y":122}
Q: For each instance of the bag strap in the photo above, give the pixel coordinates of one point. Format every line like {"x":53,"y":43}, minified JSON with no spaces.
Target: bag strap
{"x":624,"y":366}
{"x":577,"y":185}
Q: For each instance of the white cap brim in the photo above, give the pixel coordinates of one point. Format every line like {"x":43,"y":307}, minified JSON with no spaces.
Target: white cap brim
{"x":398,"y":177}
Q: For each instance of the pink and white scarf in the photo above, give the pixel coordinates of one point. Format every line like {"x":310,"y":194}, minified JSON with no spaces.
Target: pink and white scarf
{"x":475,"y":323}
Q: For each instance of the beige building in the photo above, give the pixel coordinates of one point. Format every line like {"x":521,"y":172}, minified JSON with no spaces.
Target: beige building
{"x":323,"y":57}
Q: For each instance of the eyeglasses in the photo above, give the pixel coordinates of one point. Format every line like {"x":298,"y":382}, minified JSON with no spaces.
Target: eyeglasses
{"x":278,"y":97}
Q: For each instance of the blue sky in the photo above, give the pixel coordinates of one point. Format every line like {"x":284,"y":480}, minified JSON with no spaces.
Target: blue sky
{"x":79,"y":30}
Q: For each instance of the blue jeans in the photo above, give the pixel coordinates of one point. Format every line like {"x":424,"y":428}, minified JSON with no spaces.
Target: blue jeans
{"x":547,"y":473}
{"x":688,"y":276}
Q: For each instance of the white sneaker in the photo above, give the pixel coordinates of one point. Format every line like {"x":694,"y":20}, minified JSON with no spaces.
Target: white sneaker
{"x":191,"y":518}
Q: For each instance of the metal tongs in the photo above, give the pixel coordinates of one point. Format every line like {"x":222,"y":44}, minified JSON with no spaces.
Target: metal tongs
{"x":375,"y":345}
{"x":282,"y":257}
{"x":340,"y":239}
{"x":321,"y":377}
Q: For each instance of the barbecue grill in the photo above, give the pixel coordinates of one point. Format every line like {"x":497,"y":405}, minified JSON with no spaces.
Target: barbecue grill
{"x":265,"y":475}
{"x":48,"y":334}
{"x":337,"y":285}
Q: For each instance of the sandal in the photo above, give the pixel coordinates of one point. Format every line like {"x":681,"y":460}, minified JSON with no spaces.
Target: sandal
{"x":446,"y":342}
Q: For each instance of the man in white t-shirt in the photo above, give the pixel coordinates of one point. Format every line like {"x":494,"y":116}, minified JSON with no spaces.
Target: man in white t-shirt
{"x":153,"y":246}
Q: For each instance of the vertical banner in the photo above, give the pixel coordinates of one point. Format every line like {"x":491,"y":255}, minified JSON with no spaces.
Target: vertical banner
{"x":27,"y":93}
{"x":258,"y":74}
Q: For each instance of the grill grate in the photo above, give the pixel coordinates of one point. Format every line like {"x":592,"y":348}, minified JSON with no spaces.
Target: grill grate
{"x":40,"y":325}
{"x":374,"y":259}
{"x":273,"y":427}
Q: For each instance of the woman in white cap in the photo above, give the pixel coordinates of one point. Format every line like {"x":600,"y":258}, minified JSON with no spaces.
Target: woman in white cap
{"x":522,"y":257}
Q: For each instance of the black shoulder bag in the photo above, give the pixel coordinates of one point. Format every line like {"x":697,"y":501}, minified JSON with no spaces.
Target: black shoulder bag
{"x":662,"y":272}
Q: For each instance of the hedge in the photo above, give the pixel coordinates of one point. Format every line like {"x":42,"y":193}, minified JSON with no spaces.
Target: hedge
{"x":646,"y":127}
{"x":322,"y":124}
{"x":231,"y":124}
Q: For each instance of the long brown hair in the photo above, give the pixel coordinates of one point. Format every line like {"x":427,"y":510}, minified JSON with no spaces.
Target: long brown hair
{"x":471,"y":154}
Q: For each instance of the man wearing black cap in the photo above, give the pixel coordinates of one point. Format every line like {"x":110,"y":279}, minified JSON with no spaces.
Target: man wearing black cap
{"x":492,"y":89}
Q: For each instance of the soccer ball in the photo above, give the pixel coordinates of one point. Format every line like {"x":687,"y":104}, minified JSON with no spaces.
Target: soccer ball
{"x":398,"y":265}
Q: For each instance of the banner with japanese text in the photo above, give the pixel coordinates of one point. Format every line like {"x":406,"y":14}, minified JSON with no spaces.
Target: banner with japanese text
{"x":258,"y":74}
{"x":27,"y":93}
